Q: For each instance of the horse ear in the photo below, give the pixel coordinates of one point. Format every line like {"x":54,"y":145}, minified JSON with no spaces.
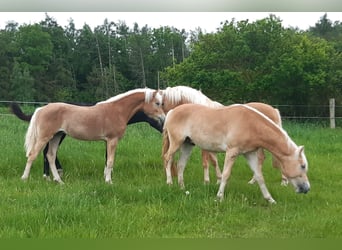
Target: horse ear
{"x":301,"y":150}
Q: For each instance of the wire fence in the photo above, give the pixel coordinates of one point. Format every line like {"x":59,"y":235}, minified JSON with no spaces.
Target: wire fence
{"x":301,"y":113}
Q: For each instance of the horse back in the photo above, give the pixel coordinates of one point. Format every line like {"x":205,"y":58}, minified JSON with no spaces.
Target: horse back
{"x":267,"y":110}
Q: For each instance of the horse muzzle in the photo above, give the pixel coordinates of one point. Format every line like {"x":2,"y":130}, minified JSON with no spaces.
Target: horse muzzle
{"x":303,"y":188}
{"x":161,"y":119}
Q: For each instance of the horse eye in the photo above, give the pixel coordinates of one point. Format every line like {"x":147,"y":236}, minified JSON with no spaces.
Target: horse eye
{"x":158,"y":103}
{"x":303,"y":167}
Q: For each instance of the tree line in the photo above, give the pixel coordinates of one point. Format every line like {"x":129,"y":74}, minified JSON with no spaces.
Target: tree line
{"x":242,"y":61}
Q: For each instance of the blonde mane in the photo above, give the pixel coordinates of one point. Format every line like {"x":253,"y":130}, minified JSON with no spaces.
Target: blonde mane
{"x":148,"y":95}
{"x":177,"y":94}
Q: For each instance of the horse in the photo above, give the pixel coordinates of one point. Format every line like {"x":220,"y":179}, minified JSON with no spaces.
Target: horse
{"x":175,"y":96}
{"x":107,"y":120}
{"x":140,"y":116}
{"x":235,"y":130}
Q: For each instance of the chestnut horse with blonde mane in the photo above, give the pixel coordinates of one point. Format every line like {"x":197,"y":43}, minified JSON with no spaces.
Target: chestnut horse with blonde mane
{"x":107,"y":120}
{"x":235,"y":130}
{"x":175,"y":96}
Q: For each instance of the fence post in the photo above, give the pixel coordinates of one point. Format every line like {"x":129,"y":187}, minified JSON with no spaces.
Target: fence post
{"x":332,"y":112}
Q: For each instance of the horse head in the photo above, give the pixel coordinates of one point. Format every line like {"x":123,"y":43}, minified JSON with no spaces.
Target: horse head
{"x":153,"y":106}
{"x":295,"y":168}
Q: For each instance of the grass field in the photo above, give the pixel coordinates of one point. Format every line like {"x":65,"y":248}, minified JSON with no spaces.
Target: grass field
{"x":139,"y":204}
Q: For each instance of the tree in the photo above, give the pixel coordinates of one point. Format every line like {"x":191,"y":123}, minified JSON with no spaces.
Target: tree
{"x":22,"y":84}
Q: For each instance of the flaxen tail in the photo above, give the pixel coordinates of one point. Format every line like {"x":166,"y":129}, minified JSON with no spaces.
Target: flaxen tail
{"x":31,"y":134}
{"x":165,"y":148}
{"x":16,"y":110}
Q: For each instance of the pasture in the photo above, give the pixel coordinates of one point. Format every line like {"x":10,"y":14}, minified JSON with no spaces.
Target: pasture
{"x":139,"y":204}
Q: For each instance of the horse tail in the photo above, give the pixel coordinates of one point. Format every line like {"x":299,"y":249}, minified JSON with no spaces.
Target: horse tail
{"x":31,"y":134}
{"x":165,"y":148}
{"x":16,"y":110}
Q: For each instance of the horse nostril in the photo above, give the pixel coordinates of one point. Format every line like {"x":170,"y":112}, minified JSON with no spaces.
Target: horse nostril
{"x":303,"y":189}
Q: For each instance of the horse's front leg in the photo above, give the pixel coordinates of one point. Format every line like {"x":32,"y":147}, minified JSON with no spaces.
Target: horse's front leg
{"x":255,"y":161}
{"x":229,"y":160}
{"x":261,"y":156}
{"x":111,"y":147}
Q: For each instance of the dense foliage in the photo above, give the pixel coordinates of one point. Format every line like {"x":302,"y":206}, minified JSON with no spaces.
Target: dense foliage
{"x":242,"y":61}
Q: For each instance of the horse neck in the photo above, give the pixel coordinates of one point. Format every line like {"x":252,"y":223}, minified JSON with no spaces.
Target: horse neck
{"x":277,"y":141}
{"x":131,"y":104}
{"x":171,"y":105}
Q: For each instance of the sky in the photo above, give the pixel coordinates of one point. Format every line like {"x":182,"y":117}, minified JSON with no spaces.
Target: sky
{"x":207,"y":21}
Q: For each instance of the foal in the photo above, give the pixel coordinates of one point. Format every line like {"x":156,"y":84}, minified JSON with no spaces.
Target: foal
{"x":235,"y":130}
{"x":106,"y":121}
{"x":137,"y":117}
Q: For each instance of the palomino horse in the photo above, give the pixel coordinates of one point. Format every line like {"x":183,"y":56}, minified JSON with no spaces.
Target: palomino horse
{"x":106,"y":121}
{"x":236,"y":129}
{"x":140,"y":116}
{"x":175,"y":96}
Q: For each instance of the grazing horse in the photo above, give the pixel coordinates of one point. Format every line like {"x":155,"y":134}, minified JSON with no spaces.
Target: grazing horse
{"x":137,"y":117}
{"x":107,"y":120}
{"x":235,"y":130}
{"x":175,"y":96}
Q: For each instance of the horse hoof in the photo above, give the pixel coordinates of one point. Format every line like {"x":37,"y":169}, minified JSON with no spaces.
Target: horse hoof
{"x":46,"y":177}
{"x":59,"y":181}
{"x":219,"y":197}
{"x":60,"y":172}
{"x":109,"y":182}
{"x":271,"y":201}
{"x":284,"y":183}
{"x":24,"y":178}
{"x":252,"y":181}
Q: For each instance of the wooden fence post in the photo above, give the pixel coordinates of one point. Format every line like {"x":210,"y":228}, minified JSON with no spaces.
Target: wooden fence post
{"x":332,"y":112}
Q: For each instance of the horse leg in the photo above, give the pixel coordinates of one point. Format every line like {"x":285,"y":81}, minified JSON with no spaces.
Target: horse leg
{"x":46,"y":168}
{"x":214,"y":161}
{"x":227,"y":169}
{"x":255,"y":161}
{"x":169,"y":158}
{"x":58,"y":164}
{"x":261,"y":155}
{"x":111,"y":147}
{"x":32,"y":155}
{"x":46,"y":162}
{"x":276,"y":164}
{"x":206,"y":157}
{"x":205,"y":164}
{"x":51,"y":156}
{"x":185,"y":152}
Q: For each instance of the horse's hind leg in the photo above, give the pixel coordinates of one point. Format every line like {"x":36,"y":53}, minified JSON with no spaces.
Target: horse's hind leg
{"x":32,"y":155}
{"x":51,"y":156}
{"x":46,"y":162}
{"x":255,"y":161}
{"x":185,"y":152}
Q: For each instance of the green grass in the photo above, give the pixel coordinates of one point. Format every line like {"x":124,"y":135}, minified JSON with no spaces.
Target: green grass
{"x":139,"y":204}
